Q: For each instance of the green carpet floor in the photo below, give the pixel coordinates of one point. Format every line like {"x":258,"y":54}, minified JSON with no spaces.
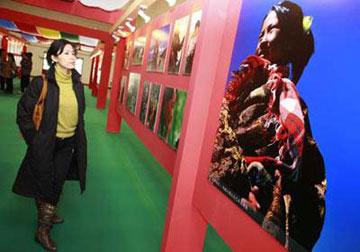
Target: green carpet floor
{"x":123,"y":208}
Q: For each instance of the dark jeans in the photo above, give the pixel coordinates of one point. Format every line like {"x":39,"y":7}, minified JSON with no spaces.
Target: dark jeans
{"x":2,"y":83}
{"x":25,"y":81}
{"x":9,"y":85}
{"x":64,"y":149}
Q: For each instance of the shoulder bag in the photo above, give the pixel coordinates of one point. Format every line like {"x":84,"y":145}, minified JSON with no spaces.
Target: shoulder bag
{"x":39,"y":106}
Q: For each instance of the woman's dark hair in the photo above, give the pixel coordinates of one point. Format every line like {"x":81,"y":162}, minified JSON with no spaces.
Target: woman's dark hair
{"x":56,"y":48}
{"x":299,"y":43}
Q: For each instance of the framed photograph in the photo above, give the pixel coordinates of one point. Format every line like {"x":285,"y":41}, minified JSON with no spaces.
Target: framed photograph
{"x":177,"y":118}
{"x":177,"y":44}
{"x":158,"y":48}
{"x":127,"y":55}
{"x":264,"y":155}
{"x":153,"y":106}
{"x":144,"y":101}
{"x":138,"y":51}
{"x":191,"y":45}
{"x":122,"y":89}
{"x":133,"y":90}
{"x":166,"y":114}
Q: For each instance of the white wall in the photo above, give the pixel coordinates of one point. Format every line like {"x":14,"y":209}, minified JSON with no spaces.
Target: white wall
{"x":38,"y":55}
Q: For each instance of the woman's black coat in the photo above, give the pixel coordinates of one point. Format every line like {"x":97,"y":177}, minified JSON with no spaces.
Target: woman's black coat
{"x":35,"y":176}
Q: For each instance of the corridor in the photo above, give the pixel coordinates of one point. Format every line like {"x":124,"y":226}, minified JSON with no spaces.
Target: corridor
{"x":123,"y":208}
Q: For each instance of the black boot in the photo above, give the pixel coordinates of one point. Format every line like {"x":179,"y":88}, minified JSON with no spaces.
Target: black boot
{"x":46,"y":213}
{"x":56,"y":219}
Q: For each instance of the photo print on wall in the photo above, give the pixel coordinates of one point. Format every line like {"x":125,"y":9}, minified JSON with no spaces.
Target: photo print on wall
{"x":138,"y":52}
{"x":171,"y":115}
{"x":133,"y":90}
{"x":177,"y":118}
{"x":153,"y":106}
{"x":144,"y":101}
{"x":122,"y":89}
{"x":127,"y":54}
{"x":265,"y":158}
{"x":192,"y":41}
{"x":158,"y":48}
{"x":177,"y":44}
{"x":166,"y":113}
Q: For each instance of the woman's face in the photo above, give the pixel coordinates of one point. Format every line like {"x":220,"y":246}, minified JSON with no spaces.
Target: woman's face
{"x":66,"y":59}
{"x":270,"y":45}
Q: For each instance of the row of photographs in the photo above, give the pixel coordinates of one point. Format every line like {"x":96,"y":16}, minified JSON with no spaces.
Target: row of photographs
{"x":156,"y":54}
{"x":171,"y":110}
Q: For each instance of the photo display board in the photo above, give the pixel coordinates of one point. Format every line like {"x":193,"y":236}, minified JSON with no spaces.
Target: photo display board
{"x":161,"y":48}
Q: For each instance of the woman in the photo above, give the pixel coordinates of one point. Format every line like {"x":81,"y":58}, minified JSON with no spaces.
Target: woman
{"x":9,"y":72}
{"x":57,"y":151}
{"x":264,"y":155}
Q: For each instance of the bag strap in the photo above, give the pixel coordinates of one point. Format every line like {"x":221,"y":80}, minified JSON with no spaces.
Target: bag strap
{"x":43,"y":91}
{"x":39,"y":106}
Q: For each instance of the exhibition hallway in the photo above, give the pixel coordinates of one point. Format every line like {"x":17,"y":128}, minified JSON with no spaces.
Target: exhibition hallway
{"x":123,"y":208}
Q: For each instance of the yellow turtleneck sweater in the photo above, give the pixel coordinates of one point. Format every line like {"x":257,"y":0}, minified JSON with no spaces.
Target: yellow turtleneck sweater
{"x":68,"y":106}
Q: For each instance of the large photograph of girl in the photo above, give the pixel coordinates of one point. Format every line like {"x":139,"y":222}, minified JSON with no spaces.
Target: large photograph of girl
{"x":265,"y":157}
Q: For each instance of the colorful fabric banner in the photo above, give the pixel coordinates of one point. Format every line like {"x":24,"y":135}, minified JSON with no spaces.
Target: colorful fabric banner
{"x":71,"y":37}
{"x":48,"y":33}
{"x":27,"y":28}
{"x":88,"y":41}
{"x":30,"y":38}
{"x":8,"y":25}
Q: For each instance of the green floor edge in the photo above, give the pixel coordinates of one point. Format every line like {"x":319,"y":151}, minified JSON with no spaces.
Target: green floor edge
{"x":123,"y":208}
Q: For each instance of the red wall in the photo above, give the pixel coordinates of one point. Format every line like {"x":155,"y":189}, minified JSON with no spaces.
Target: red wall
{"x":194,"y":202}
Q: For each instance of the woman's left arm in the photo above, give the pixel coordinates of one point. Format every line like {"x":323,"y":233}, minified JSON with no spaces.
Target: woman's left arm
{"x":25,"y":109}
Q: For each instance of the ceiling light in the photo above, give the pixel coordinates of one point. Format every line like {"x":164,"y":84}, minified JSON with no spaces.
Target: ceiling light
{"x":131,"y":27}
{"x":142,"y":14}
{"x":120,"y":28}
{"x":116,"y":38}
{"x":123,"y":34}
{"x":171,"y":2}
